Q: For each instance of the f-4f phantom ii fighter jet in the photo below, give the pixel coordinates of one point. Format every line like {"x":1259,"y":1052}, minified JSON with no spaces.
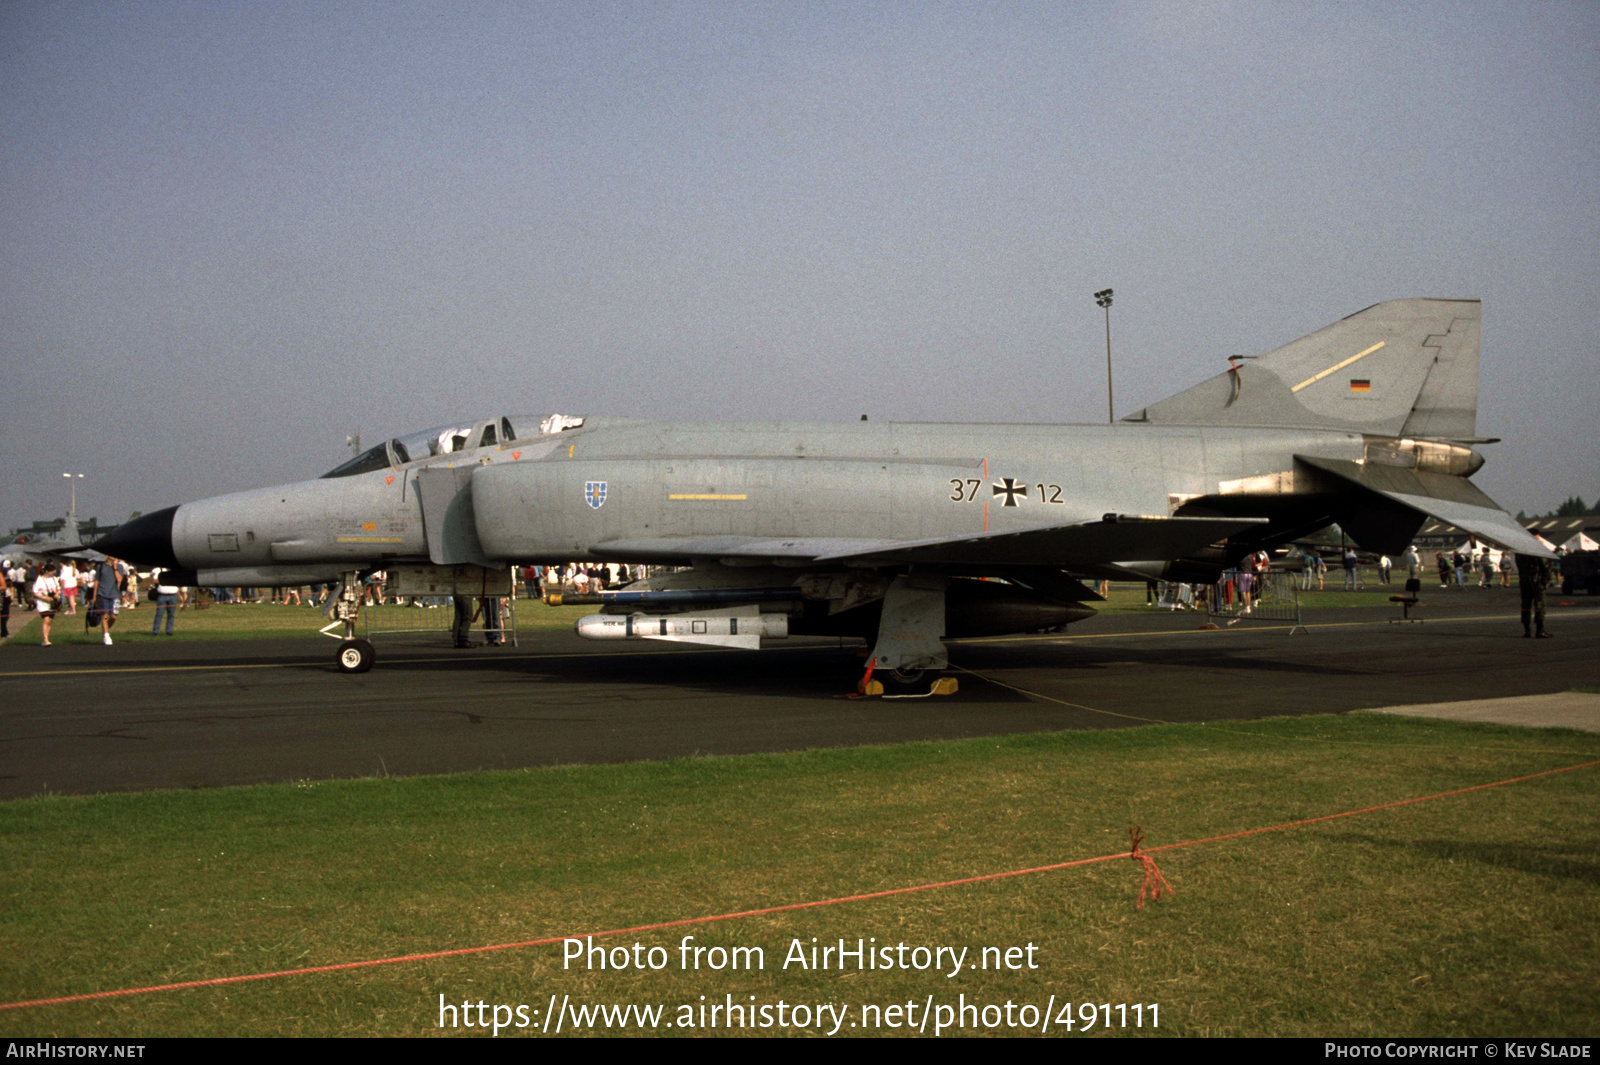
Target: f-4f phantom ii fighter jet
{"x":35,"y":547}
{"x":875,"y":530}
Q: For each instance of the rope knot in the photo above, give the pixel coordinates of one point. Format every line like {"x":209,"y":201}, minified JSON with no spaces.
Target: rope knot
{"x":1155,"y":885}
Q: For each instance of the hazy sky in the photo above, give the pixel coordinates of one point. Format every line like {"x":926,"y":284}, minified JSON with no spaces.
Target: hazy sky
{"x":232,"y":233}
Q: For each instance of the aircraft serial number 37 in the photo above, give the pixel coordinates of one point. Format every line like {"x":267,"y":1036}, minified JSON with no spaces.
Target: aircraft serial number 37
{"x":875,"y":530}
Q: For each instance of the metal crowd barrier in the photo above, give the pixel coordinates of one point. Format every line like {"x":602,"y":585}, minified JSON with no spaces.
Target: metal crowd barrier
{"x":1272,"y":597}
{"x":418,"y":601}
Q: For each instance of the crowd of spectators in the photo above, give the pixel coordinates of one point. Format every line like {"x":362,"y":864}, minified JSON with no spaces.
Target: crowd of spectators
{"x":103,"y":590}
{"x":51,"y":588}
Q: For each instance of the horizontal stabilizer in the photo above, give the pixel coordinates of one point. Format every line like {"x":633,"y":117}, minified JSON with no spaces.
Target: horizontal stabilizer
{"x":1448,"y":498}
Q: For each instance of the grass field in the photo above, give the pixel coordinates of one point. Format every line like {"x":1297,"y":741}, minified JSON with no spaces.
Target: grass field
{"x":251,"y":621}
{"x":1469,"y":915}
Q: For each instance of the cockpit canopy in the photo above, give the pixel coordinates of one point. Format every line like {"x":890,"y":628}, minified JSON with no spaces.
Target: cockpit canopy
{"x":452,"y":438}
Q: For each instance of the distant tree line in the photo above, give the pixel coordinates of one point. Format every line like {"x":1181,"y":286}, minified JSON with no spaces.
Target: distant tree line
{"x":1574,"y":507}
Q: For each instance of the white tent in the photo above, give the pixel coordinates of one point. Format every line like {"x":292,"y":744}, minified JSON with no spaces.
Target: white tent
{"x":1473,"y":549}
{"x":1581,"y":542}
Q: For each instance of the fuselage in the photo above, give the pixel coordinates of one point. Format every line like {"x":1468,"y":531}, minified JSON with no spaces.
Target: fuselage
{"x":564,"y":496}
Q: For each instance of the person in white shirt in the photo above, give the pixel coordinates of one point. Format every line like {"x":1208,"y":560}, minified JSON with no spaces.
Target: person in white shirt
{"x":1413,"y":562}
{"x":46,"y":597}
{"x":69,"y":586}
{"x":166,"y":599}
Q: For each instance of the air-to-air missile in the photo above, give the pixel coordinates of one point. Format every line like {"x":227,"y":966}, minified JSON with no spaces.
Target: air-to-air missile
{"x":902,"y":534}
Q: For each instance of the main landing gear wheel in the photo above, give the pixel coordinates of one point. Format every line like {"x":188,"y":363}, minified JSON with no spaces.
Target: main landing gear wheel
{"x":355,"y":656}
{"x":906,"y":681}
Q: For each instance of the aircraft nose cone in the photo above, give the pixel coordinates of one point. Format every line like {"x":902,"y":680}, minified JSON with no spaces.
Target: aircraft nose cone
{"x":144,"y":541}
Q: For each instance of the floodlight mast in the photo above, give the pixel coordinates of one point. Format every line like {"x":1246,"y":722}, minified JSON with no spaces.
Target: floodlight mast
{"x":1103,"y":299}
{"x":74,"y":483}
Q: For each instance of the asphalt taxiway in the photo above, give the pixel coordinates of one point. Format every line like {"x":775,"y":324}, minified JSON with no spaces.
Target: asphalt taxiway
{"x":207,"y":713}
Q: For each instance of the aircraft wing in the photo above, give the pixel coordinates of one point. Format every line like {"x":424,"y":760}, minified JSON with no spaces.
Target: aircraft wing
{"x":1116,"y":538}
{"x":744,"y":548}
{"x":1449,"y":498}
{"x":76,"y":552}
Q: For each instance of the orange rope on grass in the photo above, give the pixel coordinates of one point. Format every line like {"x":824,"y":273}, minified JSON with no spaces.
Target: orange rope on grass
{"x":1155,"y":885}
{"x":1137,"y":852}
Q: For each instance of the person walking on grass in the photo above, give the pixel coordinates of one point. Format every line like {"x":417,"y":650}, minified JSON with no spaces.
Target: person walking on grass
{"x":46,"y":597}
{"x":5,"y":599}
{"x":69,"y":586}
{"x":107,"y":595}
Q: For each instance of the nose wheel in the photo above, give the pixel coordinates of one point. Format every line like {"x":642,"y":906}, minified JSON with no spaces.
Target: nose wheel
{"x":355,"y":656}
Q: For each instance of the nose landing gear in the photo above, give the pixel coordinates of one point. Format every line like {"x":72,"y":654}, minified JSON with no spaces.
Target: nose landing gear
{"x":355,"y":655}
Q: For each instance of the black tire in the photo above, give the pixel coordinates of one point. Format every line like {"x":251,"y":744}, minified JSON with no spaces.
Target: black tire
{"x":355,"y":656}
{"x":906,"y":681}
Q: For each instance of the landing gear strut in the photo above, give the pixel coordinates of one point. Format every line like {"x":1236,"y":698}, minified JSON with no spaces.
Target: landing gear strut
{"x":355,"y":655}
{"x":908,"y":657}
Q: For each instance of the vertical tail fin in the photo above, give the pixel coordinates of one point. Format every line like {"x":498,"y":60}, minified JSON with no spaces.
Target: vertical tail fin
{"x":1400,"y":368}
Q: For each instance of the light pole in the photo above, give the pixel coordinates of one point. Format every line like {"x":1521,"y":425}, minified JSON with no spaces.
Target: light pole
{"x":72,"y":512}
{"x":1103,"y":299}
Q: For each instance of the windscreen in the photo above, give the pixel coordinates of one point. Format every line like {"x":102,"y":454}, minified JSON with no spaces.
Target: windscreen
{"x":374,"y":458}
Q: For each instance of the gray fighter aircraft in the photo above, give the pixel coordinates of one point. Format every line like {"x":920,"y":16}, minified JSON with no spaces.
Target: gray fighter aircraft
{"x":876,"y":530}
{"x":42,"y":547}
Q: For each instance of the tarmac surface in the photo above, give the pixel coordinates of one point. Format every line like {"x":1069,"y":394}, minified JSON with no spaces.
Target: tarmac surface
{"x":207,"y":713}
{"x":1574,"y":710}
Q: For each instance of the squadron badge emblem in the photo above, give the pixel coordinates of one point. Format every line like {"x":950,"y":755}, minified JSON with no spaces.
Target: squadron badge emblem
{"x":594,"y":493}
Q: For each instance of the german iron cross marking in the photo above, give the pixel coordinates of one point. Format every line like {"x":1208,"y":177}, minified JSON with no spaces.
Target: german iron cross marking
{"x":1009,"y":488}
